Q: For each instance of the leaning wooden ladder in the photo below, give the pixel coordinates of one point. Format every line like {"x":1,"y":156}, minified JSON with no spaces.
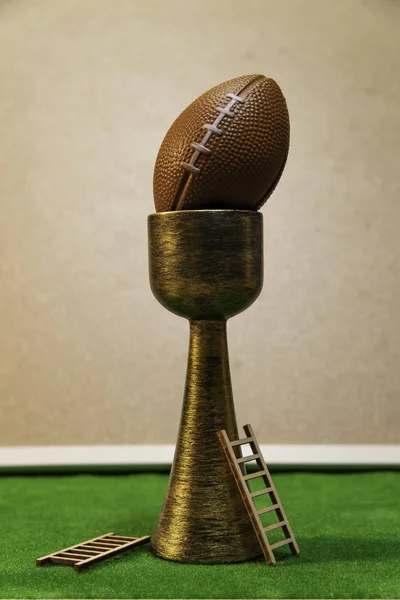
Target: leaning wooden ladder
{"x":237,"y":465}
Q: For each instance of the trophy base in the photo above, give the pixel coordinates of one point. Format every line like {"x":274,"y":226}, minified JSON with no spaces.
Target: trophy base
{"x":210,"y":559}
{"x":202,"y":551}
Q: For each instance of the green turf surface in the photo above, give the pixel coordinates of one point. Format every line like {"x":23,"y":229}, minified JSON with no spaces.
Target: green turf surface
{"x":347,"y":527}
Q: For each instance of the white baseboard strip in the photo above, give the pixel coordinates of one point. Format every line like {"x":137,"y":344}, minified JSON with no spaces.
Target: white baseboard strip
{"x":294,"y":456}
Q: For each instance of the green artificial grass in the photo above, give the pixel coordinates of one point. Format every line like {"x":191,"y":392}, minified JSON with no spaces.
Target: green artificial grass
{"x":347,"y":527}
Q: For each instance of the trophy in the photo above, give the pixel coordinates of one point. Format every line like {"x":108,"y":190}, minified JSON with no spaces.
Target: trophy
{"x":217,"y":165}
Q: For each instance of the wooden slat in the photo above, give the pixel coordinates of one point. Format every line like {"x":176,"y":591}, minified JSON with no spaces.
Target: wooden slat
{"x":102,"y":546}
{"x":85,"y":551}
{"x":247,"y":458}
{"x":113,"y":552}
{"x":246,"y":440}
{"x":261,"y":492}
{"x":72,"y":554}
{"x":106,"y":541}
{"x":254,"y":475}
{"x":44,"y":559}
{"x":281,"y":543}
{"x":107,"y":544}
{"x":246,"y":497}
{"x":267,"y":509}
{"x":274,"y":526}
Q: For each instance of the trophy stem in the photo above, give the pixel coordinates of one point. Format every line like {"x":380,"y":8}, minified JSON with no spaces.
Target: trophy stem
{"x":203,"y":518}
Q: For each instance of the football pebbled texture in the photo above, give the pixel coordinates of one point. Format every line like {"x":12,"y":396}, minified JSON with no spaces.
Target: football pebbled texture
{"x":226,"y":150}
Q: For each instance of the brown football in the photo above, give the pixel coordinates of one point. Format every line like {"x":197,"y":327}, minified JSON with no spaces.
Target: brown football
{"x":225,"y":150}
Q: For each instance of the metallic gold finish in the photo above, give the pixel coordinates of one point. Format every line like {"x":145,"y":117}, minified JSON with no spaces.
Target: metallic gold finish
{"x":206,"y":266}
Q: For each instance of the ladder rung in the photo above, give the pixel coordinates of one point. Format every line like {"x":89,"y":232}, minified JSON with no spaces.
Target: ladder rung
{"x":247,"y":458}
{"x":247,"y":440}
{"x":101,"y":547}
{"x":254,"y":475}
{"x":281,"y":543}
{"x":267,"y":509}
{"x":261,"y":492}
{"x":70,"y":554}
{"x":274,"y":526}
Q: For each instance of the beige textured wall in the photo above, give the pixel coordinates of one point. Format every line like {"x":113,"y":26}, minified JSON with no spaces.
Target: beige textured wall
{"x":88,"y":89}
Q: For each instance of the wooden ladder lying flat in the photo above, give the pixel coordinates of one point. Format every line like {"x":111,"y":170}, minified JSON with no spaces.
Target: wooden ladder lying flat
{"x":85,"y":554}
{"x":238,"y":469}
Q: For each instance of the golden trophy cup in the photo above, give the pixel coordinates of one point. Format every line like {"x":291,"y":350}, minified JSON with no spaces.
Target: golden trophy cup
{"x":206,"y":266}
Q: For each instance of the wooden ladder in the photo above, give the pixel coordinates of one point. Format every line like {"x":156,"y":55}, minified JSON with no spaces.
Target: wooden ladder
{"x":237,"y":465}
{"x":92,"y":551}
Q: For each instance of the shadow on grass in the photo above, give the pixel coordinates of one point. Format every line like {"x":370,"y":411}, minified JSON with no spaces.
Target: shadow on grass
{"x":326,"y":549}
